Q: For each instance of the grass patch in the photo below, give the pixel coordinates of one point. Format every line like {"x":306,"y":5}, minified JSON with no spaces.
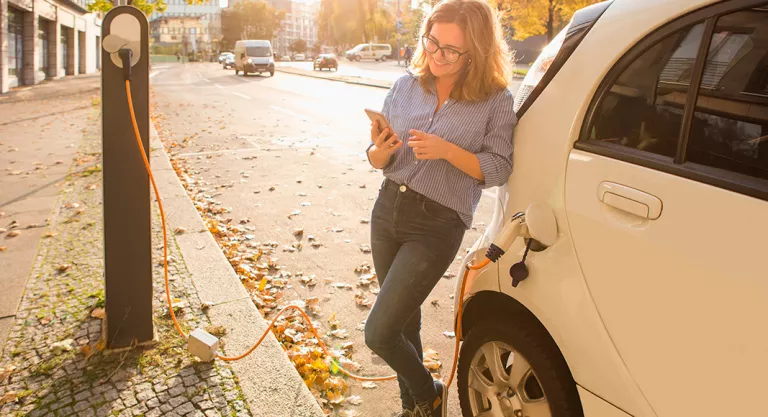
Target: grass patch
{"x":99,"y":296}
{"x":91,"y":170}
{"x":218,"y":331}
{"x":521,"y":72}
{"x":48,"y":366}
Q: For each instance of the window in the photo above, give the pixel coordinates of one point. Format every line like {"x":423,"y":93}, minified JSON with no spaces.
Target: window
{"x":15,"y":42}
{"x":64,"y":49}
{"x":644,"y":107}
{"x":730,"y":121}
{"x":42,"y":44}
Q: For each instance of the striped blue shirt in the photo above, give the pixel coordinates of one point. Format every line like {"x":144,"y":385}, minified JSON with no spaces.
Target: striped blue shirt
{"x":483,"y":128}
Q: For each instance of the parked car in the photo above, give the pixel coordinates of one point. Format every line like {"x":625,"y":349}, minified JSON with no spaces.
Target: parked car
{"x":298,"y":57}
{"x":229,"y":62}
{"x":375,"y":51}
{"x":326,"y":61}
{"x":254,"y":56}
{"x":223,"y":56}
{"x":643,"y":126}
{"x":285,"y":58}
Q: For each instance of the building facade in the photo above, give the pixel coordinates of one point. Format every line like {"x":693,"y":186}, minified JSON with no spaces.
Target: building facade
{"x":46,"y":39}
{"x":300,"y":22}
{"x":190,"y":27}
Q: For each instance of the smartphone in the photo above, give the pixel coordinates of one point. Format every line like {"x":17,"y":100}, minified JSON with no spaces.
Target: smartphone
{"x":377,"y":116}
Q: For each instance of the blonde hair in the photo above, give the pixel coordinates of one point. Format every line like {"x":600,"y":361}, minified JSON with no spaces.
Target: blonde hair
{"x":488,"y":69}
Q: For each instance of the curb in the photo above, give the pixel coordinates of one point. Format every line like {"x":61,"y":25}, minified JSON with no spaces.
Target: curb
{"x":382,"y":84}
{"x":269,"y":381}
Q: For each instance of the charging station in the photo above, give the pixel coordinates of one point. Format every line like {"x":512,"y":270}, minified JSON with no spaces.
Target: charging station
{"x":127,"y":204}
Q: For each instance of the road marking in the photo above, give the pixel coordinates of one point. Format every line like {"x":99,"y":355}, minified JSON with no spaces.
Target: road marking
{"x":218,"y":152}
{"x":153,"y":73}
{"x":217,"y":85}
{"x":203,"y":78}
{"x":242,"y":95}
{"x":292,"y":113}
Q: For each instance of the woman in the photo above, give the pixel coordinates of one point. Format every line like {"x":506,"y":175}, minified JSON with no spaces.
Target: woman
{"x":456,"y":117}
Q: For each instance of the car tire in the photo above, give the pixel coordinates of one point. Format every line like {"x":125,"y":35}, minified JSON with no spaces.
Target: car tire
{"x":384,"y":58}
{"x":546,"y":376}
{"x":271,"y":73}
{"x":237,"y":71}
{"x":245,"y":73}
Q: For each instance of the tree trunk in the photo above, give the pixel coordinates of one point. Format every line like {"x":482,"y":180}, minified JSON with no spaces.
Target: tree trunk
{"x":551,"y":21}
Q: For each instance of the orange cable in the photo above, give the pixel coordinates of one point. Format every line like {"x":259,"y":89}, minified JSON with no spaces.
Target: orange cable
{"x":290,"y":307}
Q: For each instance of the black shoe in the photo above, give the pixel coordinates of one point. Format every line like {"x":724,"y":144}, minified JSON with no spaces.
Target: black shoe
{"x":404,"y":413}
{"x":438,"y":406}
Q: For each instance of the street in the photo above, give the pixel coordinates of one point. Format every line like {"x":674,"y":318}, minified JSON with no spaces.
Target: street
{"x":306,"y":138}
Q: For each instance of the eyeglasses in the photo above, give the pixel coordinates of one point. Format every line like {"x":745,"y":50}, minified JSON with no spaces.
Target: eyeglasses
{"x":451,"y":55}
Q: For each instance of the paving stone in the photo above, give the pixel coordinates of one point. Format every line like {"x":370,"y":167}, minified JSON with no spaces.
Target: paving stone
{"x":206,"y":405}
{"x":83,"y":395}
{"x":145,"y":395}
{"x":196,"y":413}
{"x":39,"y":412}
{"x":154,"y":413}
{"x":139,"y":409}
{"x":177,"y":401}
{"x":166,"y":408}
{"x":82,"y":405}
{"x":130,"y":400}
{"x":231,"y":395}
{"x":175,"y":391}
{"x":89,"y":412}
{"x":187,"y":371}
{"x":191,"y":380}
{"x":66,"y":411}
{"x":153,"y":402}
{"x":185,"y":408}
{"x":111,"y":395}
{"x":212,"y":413}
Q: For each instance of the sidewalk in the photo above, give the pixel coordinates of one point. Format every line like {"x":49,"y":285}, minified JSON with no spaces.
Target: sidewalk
{"x":53,"y":362}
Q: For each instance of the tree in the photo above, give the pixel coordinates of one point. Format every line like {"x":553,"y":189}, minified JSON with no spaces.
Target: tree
{"x":299,"y":46}
{"x":539,"y":17}
{"x":317,"y":48}
{"x":249,"y":20}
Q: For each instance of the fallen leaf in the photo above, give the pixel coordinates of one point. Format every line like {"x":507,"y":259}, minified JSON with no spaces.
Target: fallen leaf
{"x":3,"y":230}
{"x":179,"y":230}
{"x":369,"y":385}
{"x":3,"y":248}
{"x":362,"y":300}
{"x":63,"y":268}
{"x":271,"y":188}
{"x":50,"y":234}
{"x":63,"y":346}
{"x":449,"y":335}
{"x":262,"y":284}
{"x":349,"y":364}
{"x":98,"y":313}
{"x":8,"y":397}
{"x":365,"y":248}
{"x":6,"y":372}
{"x":339,"y":334}
{"x":206,"y":305}
{"x":365,"y":221}
{"x":435,"y":303}
{"x":432,"y":360}
{"x":86,"y":351}
{"x":13,"y":233}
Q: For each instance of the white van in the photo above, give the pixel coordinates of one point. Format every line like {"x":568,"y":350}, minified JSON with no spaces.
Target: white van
{"x":643,"y":127}
{"x":254,"y":56}
{"x":375,"y":51}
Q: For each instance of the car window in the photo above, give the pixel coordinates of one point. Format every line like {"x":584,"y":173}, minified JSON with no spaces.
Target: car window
{"x":730,"y":123}
{"x":643,"y":109}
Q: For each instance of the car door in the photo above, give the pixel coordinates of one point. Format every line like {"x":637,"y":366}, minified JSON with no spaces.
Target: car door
{"x":667,"y":202}
{"x":367,"y":52}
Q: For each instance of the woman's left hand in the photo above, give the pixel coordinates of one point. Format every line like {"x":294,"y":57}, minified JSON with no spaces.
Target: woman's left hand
{"x":428,"y":146}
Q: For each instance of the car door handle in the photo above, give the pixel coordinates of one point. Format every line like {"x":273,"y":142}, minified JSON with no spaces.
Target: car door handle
{"x":630,"y":200}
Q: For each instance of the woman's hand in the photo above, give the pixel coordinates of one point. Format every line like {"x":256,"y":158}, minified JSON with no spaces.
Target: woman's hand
{"x":384,"y":146}
{"x":428,"y":146}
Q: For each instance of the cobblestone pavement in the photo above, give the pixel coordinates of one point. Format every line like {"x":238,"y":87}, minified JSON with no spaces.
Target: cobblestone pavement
{"x":55,"y":348}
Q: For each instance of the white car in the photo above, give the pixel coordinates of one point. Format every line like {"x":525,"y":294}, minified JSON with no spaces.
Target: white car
{"x":298,"y":57}
{"x":643,"y":127}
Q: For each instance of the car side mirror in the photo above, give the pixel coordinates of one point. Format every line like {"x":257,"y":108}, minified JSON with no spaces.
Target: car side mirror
{"x":541,"y":226}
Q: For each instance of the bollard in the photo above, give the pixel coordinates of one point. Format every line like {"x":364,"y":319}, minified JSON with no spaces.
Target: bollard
{"x":127,"y":205}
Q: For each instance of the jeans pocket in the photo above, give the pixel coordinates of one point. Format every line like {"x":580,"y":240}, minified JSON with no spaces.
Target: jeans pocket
{"x":437,"y":211}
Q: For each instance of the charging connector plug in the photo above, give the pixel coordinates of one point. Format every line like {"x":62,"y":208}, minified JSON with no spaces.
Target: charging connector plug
{"x":126,"y":55}
{"x":203,"y":345}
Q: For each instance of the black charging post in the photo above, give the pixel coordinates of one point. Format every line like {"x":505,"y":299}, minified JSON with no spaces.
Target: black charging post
{"x":127,"y":205}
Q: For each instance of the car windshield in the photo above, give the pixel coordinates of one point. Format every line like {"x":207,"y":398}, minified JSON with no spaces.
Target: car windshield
{"x":358,"y":48}
{"x":258,"y":51}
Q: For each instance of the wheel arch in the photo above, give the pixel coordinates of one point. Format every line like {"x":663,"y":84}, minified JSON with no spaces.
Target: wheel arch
{"x":500,"y":305}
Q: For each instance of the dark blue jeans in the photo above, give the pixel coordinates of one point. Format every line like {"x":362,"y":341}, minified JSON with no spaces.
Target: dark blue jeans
{"x":413,"y":241}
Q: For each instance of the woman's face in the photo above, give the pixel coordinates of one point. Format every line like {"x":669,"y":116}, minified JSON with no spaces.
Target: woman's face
{"x":449,"y":61}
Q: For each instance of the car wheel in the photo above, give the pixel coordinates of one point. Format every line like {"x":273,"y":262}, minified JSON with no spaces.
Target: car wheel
{"x":245,"y":73}
{"x":237,"y":71}
{"x":271,"y":73}
{"x":384,"y":58}
{"x":515,"y":369}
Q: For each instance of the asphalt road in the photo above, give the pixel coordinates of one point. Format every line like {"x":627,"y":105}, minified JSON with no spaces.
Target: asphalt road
{"x":298,"y":134}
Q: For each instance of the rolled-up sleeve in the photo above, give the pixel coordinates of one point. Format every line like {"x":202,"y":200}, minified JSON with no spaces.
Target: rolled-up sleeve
{"x":495,"y":155}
